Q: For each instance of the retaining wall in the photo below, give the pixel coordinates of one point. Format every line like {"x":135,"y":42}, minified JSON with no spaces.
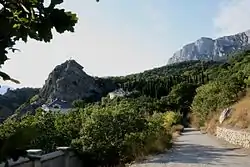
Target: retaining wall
{"x":236,"y":137}
{"x":61,"y":158}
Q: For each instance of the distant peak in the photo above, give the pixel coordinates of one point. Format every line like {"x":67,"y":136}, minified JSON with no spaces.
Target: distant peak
{"x":212,"y":49}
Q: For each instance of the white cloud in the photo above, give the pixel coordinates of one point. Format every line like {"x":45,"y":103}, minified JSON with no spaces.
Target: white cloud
{"x":233,"y":17}
{"x":100,"y":47}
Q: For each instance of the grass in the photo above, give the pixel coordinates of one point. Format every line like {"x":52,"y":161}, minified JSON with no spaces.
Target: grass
{"x":213,"y":122}
{"x":240,"y":116}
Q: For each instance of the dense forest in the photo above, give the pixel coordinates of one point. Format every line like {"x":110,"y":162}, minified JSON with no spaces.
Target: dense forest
{"x":120,"y":130}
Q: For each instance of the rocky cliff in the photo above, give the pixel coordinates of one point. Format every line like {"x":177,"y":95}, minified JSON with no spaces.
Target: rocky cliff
{"x":212,"y":49}
{"x":69,"y":82}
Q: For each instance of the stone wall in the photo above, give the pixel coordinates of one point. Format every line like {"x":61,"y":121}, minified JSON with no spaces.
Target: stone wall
{"x":61,"y":158}
{"x":239,"y":138}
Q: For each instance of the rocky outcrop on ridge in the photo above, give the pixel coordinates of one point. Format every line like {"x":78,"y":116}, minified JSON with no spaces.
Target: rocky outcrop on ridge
{"x":212,"y":49}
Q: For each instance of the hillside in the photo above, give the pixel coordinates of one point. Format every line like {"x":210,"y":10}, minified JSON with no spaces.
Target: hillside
{"x":229,"y":89}
{"x":12,"y":99}
{"x":240,"y":115}
{"x":212,"y":49}
{"x":69,"y":82}
{"x":119,"y":130}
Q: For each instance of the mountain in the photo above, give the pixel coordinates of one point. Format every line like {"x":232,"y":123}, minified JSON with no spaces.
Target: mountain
{"x":12,"y":99}
{"x":212,"y":49}
{"x":69,"y":82}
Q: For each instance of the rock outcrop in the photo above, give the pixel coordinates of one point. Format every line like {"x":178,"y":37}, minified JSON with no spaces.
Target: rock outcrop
{"x":69,"y":82}
{"x":212,"y":49}
{"x":224,"y":115}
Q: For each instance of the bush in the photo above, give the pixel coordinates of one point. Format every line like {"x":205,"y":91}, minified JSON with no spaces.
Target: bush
{"x":177,"y":128}
{"x":171,"y":118}
{"x":120,"y":133}
{"x":15,"y":137}
{"x":107,"y":133}
{"x":211,"y":97}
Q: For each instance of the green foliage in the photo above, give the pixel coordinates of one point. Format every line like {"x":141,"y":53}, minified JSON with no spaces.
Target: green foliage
{"x":112,"y":132}
{"x":34,"y":99}
{"x":79,"y":103}
{"x":68,"y":127}
{"x":229,"y":80}
{"x":119,"y":133}
{"x":247,"y":81}
{"x":181,"y":96}
{"x":171,"y":118}
{"x":211,"y":97}
{"x":15,"y":137}
{"x":21,"y":20}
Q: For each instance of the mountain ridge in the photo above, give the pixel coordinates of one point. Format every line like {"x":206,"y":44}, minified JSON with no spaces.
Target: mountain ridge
{"x":206,"y":48}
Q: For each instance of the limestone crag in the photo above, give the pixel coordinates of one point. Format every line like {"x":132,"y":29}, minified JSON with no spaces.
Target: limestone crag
{"x":212,"y":49}
{"x":69,"y":82}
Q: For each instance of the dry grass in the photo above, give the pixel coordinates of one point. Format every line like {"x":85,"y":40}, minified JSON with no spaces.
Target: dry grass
{"x":240,"y":116}
{"x":194,"y":120}
{"x":213,"y":122}
{"x":203,"y":130}
{"x":177,"y":128}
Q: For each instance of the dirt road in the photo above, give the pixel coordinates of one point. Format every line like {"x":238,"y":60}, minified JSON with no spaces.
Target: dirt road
{"x":194,"y":149}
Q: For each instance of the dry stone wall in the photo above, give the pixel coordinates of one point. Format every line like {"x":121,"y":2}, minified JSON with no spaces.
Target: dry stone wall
{"x":236,"y":137}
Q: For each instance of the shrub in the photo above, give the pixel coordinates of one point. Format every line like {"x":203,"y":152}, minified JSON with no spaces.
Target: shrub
{"x":171,"y":118}
{"x":177,"y":128}
{"x":120,"y":133}
{"x":107,"y":133}
{"x":211,"y":97}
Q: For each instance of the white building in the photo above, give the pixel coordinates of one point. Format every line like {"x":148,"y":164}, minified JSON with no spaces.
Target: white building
{"x":117,"y":93}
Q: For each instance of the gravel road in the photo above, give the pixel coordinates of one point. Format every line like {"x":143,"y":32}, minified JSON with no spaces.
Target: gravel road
{"x":194,"y":149}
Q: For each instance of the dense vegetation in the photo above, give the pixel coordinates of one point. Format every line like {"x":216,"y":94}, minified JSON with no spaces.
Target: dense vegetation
{"x":202,"y":87}
{"x":108,"y":132}
{"x":229,"y":84}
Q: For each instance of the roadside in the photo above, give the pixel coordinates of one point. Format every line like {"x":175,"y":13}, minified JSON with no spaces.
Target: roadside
{"x":196,"y":149}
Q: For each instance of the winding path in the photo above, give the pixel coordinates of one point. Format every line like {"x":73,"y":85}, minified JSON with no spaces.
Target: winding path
{"x":194,"y":149}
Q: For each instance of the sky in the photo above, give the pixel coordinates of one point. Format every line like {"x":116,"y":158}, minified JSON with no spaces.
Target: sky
{"x":120,"y":37}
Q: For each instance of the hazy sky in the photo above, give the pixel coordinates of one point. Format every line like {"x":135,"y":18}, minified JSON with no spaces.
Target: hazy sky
{"x":118,"y":37}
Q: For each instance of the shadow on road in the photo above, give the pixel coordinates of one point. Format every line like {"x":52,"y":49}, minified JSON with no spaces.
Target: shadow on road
{"x":199,"y":154}
{"x":190,"y":130}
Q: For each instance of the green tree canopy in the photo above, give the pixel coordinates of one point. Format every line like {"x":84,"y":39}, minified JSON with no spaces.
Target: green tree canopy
{"x":24,"y":19}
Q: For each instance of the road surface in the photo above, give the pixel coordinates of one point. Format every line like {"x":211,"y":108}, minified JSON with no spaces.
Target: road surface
{"x":194,"y":149}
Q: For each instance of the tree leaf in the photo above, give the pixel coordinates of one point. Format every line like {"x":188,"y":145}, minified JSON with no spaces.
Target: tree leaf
{"x":7,"y":77}
{"x":56,"y":2}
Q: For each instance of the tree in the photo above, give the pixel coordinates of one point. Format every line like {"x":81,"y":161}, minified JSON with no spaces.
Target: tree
{"x":15,"y":136}
{"x":181,"y":96}
{"x":24,"y":19}
{"x":211,"y":97}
